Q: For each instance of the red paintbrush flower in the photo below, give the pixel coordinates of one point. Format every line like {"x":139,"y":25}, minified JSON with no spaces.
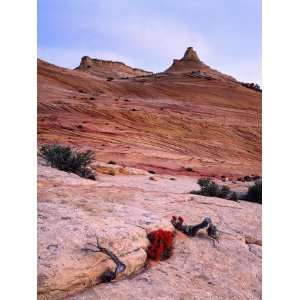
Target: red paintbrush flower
{"x":161,"y":244}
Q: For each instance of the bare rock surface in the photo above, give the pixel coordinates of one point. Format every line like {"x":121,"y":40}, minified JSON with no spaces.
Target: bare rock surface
{"x":106,"y":68}
{"x":189,"y":117}
{"x":121,"y":210}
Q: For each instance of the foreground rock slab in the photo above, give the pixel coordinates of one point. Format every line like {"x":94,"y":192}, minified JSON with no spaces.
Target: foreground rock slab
{"x":120,"y":210}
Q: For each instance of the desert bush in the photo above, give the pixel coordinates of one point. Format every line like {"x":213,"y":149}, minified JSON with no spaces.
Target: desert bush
{"x":234,"y":196}
{"x":68,"y":160}
{"x":252,"y":85}
{"x":189,"y":169}
{"x":111,"y":162}
{"x":152,"y":172}
{"x":203,"y":181}
{"x":255,"y":193}
{"x":247,"y":178}
{"x":211,"y":189}
{"x":225,"y":190}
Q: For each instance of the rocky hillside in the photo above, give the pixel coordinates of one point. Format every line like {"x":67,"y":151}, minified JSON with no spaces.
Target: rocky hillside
{"x":186,"y":122}
{"x":190,"y":63}
{"x":108,"y":69}
{"x":187,"y":117}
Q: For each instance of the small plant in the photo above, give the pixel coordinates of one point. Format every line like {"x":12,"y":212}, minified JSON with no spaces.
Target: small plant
{"x":152,"y":172}
{"x":252,"y":85}
{"x":247,"y":178}
{"x":203,"y":181}
{"x":111,"y":162}
{"x":68,"y":160}
{"x":234,"y":196}
{"x":211,"y":189}
{"x":225,"y":190}
{"x":189,"y":169}
{"x":161,"y":244}
{"x":255,"y":193}
{"x":109,"y":78}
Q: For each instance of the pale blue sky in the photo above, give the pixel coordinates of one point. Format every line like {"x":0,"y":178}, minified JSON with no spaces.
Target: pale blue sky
{"x":149,"y":33}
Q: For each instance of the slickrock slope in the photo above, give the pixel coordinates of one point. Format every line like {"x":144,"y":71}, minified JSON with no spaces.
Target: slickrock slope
{"x":106,"y":68}
{"x":187,"y":117}
{"x":182,"y":123}
{"x":120,"y":210}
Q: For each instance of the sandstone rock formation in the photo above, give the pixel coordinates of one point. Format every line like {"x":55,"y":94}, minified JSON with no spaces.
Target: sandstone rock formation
{"x":120,"y":210}
{"x":165,"y":122}
{"x":173,"y":127}
{"x":191,"y":63}
{"x":190,"y":55}
{"x":106,"y":68}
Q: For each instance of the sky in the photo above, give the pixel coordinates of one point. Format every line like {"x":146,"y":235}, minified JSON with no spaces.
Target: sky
{"x":149,"y":34}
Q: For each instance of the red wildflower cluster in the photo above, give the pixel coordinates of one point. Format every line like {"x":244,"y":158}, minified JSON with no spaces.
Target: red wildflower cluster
{"x":177,"y":220}
{"x":161,"y":244}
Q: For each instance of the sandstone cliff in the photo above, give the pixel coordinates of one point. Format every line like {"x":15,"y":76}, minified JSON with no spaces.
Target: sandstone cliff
{"x":106,"y":68}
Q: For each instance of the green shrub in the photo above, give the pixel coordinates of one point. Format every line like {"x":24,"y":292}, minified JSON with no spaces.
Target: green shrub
{"x":255,"y":192}
{"x":225,"y":190}
{"x":234,"y":196}
{"x":211,"y":189}
{"x":203,"y":181}
{"x":68,"y":160}
{"x":247,"y":178}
